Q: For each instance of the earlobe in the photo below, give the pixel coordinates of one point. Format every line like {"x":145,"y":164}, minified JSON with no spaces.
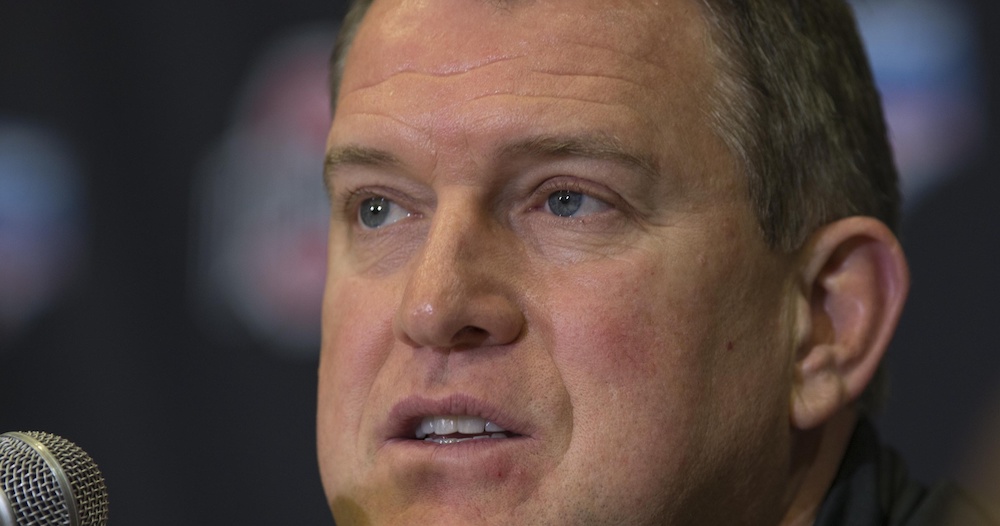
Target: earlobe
{"x":854,"y":281}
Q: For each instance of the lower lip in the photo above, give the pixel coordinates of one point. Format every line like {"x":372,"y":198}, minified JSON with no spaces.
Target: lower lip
{"x":485,"y":459}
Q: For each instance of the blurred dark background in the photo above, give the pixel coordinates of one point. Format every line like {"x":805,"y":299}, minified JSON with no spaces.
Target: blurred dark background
{"x":160,"y":115}
{"x":162,"y":226}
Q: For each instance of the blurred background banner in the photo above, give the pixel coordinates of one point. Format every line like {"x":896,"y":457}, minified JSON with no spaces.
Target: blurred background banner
{"x":262,"y":208}
{"x":936,"y":66}
{"x":927,"y":59}
{"x":43,"y":222}
{"x":163,"y":244}
{"x":163,"y":223}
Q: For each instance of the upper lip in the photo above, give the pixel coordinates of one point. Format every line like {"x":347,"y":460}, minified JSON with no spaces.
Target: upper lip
{"x":407,"y":413}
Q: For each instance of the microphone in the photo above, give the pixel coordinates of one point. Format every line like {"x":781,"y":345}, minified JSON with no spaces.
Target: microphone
{"x":46,"y":480}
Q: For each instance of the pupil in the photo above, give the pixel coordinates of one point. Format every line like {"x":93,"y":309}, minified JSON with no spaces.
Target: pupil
{"x":565,"y":203}
{"x":374,"y":211}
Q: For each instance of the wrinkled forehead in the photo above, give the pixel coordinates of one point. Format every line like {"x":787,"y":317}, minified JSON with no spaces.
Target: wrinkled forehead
{"x":446,"y":37}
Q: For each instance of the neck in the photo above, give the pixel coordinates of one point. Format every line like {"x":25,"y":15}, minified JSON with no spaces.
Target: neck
{"x":817,"y":454}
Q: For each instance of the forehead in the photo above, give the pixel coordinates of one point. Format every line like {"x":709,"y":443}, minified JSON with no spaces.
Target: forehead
{"x":458,"y":76}
{"x":600,"y":37}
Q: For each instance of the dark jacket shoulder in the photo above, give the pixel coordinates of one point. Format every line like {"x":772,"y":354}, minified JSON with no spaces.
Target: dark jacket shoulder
{"x":873,"y":488}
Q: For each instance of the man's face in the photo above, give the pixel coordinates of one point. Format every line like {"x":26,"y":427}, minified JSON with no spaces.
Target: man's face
{"x":534,"y":225}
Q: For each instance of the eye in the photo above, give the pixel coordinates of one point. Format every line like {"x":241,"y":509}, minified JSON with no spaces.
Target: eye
{"x":567,"y":203}
{"x":377,"y":212}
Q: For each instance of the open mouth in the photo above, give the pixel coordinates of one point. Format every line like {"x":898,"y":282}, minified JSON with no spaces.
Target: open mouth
{"x":453,"y":429}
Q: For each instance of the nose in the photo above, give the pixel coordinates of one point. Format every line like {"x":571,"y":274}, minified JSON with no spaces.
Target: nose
{"x":461,"y":291}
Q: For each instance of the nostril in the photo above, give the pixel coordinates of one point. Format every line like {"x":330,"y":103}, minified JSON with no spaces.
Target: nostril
{"x":470,"y":336}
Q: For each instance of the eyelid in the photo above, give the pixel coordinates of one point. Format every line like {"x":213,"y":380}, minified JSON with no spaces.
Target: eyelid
{"x":348,"y":202}
{"x":574,"y":184}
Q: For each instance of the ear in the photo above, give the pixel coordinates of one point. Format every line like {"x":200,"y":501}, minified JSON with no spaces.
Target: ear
{"x":854,"y":281}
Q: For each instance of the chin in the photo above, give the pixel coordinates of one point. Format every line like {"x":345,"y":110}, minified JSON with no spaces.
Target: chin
{"x":348,"y":512}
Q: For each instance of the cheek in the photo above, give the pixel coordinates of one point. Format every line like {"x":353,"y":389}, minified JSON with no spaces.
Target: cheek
{"x":629,"y":347}
{"x":627,"y":326}
{"x":652,"y":336}
{"x":357,"y":329}
{"x":348,"y":335}
{"x":654,"y":351}
{"x":613,"y":340}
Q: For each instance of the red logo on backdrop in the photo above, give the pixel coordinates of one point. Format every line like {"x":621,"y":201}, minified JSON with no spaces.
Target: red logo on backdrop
{"x":263,"y":210}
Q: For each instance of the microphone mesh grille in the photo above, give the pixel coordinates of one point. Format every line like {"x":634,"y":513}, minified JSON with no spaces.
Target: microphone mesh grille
{"x":35,"y":493}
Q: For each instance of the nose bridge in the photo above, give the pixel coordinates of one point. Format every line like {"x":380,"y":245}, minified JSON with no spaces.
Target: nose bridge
{"x":457,"y":294}
{"x":456,"y":229}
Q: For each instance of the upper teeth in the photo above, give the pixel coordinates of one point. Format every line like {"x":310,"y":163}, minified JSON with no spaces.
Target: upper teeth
{"x":466,"y":425}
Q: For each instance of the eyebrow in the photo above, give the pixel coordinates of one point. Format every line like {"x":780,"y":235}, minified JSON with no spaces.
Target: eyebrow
{"x":587,"y":146}
{"x":599,"y":147}
{"x":353,"y":155}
